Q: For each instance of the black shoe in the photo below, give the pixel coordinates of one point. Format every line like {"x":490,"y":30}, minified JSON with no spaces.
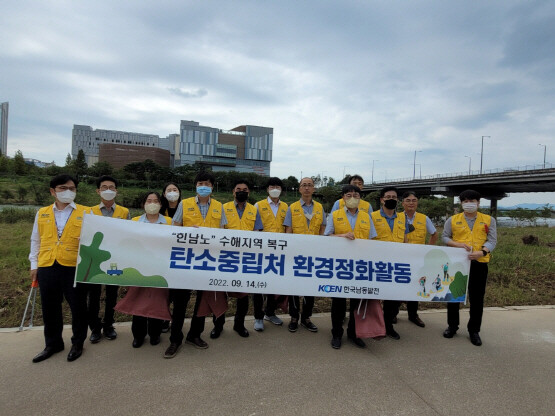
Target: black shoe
{"x":358,"y":342}
{"x":242,"y":331}
{"x":394,"y":320}
{"x":417,"y":321}
{"x":197,"y":342}
{"x":475,"y":338}
{"x":390,"y":332}
{"x":307,"y":323}
{"x":449,"y":332}
{"x":110,"y":333}
{"x":75,"y":352}
{"x":155,"y":341}
{"x":293,"y":325}
{"x":215,"y":333}
{"x":47,"y":353}
{"x":172,"y":350}
{"x":336,"y":343}
{"x":95,"y":336}
{"x":165,"y":327}
{"x":138,"y":343}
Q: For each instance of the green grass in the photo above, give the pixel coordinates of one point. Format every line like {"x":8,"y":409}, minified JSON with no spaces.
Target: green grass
{"x":518,"y":274}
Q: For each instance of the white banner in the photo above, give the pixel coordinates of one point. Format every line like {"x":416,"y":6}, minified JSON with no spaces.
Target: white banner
{"x":129,"y":253}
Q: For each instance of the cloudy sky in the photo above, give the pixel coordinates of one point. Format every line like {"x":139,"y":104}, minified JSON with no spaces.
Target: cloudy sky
{"x":343,"y":83}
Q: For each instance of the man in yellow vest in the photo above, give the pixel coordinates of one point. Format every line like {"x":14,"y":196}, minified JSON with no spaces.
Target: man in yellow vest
{"x":272,"y":212}
{"x":365,"y":206}
{"x":419,"y":226}
{"x":198,"y":211}
{"x":390,"y":227}
{"x":107,"y":189}
{"x":305,"y":216}
{"x":53,"y":257}
{"x":240,"y":215}
{"x":477,"y":234}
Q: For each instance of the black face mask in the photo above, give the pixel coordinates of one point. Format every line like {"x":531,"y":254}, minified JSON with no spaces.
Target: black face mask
{"x":241,"y":196}
{"x":390,"y":203}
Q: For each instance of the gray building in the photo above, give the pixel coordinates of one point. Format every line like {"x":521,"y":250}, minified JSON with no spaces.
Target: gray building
{"x":4,"y":128}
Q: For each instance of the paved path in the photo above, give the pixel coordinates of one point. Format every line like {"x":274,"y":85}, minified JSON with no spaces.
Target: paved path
{"x":279,"y":373}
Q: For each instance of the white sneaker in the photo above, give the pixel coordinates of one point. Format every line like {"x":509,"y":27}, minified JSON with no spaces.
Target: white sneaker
{"x":273,"y":319}
{"x":259,"y":325}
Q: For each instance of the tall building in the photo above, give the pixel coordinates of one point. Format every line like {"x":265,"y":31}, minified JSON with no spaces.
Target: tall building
{"x":4,"y":128}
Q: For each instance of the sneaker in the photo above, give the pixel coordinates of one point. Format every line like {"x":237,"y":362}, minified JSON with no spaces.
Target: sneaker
{"x":197,"y":342}
{"x":110,"y":333}
{"x":307,"y":323}
{"x":259,"y":325}
{"x":172,"y":350}
{"x":293,"y":325}
{"x":165,"y":327}
{"x":273,"y":319}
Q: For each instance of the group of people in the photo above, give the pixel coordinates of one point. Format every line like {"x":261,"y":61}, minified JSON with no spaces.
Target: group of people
{"x":55,"y":243}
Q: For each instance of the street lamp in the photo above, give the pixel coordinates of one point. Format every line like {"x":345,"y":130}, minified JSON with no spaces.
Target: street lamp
{"x":414,"y":163}
{"x":375,"y":160}
{"x":544,"y":152}
{"x":469,"y":163}
{"x":482,"y":154}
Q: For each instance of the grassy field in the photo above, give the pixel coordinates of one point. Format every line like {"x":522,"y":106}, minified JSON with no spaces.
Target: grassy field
{"x":519,"y":274}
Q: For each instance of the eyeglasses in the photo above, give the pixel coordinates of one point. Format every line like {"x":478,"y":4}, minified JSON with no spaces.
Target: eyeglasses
{"x":106,"y":188}
{"x":63,"y":188}
{"x":390,"y":197}
{"x":307,"y":185}
{"x":410,"y":201}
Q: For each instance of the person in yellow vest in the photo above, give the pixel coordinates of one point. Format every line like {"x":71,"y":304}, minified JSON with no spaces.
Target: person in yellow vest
{"x":390,"y":227}
{"x":365,"y":206}
{"x":53,"y":257}
{"x":240,"y":215}
{"x":272,"y":212}
{"x":477,"y":234}
{"x":419,"y":226}
{"x":305,"y":216}
{"x":198,"y":211}
{"x":352,"y":223}
{"x":107,"y":189}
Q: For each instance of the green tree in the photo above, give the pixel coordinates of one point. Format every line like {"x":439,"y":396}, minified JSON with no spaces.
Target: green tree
{"x":4,"y":164}
{"x":20,"y":167}
{"x":100,"y":168}
{"x":69,"y":162}
{"x":80,"y":164}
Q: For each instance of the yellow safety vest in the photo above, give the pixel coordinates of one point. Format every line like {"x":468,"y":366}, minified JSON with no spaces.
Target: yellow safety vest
{"x":475,"y":238}
{"x":362,"y":205}
{"x":298,"y":220}
{"x":246,"y":222}
{"x":63,"y":250}
{"x":168,"y":219}
{"x":383,"y":230}
{"x":192,"y":215}
{"x":272,"y":223}
{"x":341,"y":224}
{"x":119,"y":212}
{"x":418,"y":236}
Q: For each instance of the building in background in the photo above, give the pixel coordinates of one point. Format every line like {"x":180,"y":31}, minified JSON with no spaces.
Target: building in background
{"x":119,"y":155}
{"x":4,"y":128}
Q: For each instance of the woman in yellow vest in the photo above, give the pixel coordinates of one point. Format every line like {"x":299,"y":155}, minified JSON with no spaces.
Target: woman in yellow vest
{"x":305,"y":216}
{"x":53,"y":257}
{"x":477,"y":234}
{"x":148,"y":305}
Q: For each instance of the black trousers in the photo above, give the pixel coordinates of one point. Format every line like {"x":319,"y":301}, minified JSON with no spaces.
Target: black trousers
{"x":258,"y":304}
{"x":338,"y":311}
{"x":294,"y":307}
{"x":55,"y":284}
{"x":390,"y":311}
{"x":93,"y":306}
{"x":141,"y":326}
{"x":476,"y":292}
{"x":180,"y":299}
{"x":412,"y":308}
{"x":240,"y":313}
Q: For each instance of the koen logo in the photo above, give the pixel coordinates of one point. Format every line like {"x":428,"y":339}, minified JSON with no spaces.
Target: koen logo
{"x":329,"y":288}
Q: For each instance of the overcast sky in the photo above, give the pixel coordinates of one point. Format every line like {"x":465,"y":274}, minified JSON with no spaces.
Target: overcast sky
{"x":342,"y":83}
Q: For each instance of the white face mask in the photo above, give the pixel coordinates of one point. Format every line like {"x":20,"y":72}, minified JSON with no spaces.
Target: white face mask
{"x":152,"y":208}
{"x":172,"y":196}
{"x":108,"y":194}
{"x":274,"y":193}
{"x":66,"y":197}
{"x":352,"y":202}
{"x":470,"y":207}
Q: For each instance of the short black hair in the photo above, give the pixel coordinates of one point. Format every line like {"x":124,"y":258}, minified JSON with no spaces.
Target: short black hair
{"x":145,"y":196}
{"x":62,"y":179}
{"x":387,"y":189}
{"x":106,"y":178}
{"x":469,"y":194}
{"x":349,"y":188}
{"x":205,"y":176}
{"x":239,"y":181}
{"x":356,"y":177}
{"x":409,"y":193}
{"x":274,"y":181}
